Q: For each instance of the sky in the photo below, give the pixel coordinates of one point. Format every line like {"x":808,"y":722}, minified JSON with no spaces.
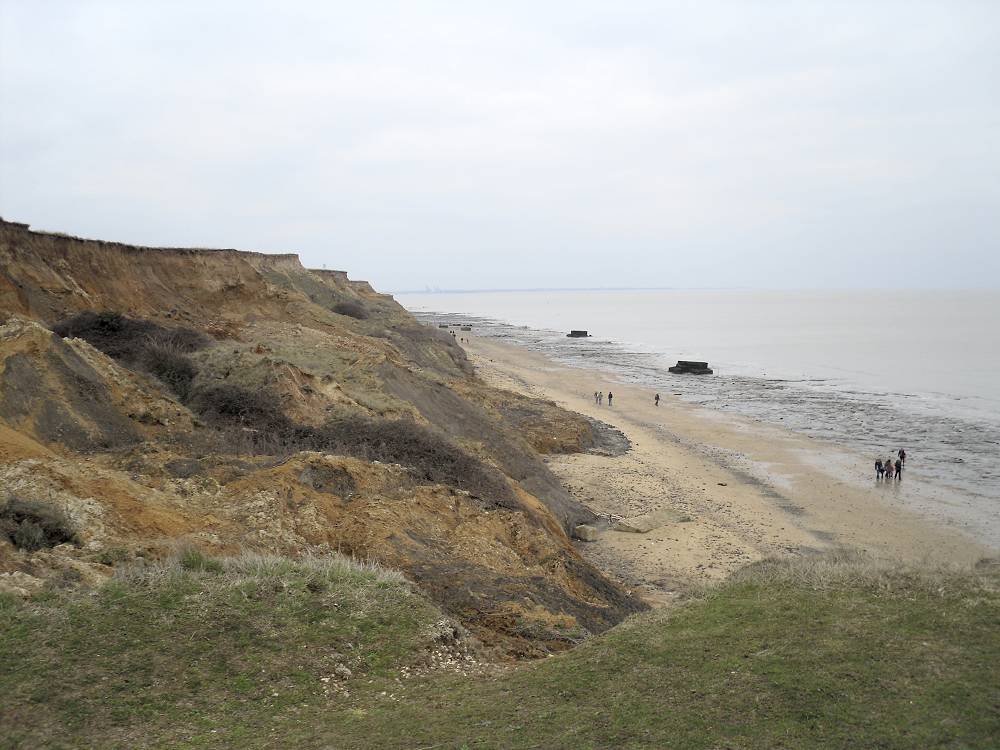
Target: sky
{"x":479,"y":145}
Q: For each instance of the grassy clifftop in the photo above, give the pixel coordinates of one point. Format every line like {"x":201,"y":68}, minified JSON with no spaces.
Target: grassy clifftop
{"x":839,"y":652}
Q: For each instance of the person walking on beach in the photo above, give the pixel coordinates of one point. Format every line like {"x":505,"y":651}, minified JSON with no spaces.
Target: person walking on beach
{"x":600,"y":398}
{"x":879,"y":469}
{"x":899,"y":469}
{"x":888,"y":468}
{"x":656,"y":399}
{"x":596,"y":401}
{"x":610,"y":396}
{"x":902,"y":456}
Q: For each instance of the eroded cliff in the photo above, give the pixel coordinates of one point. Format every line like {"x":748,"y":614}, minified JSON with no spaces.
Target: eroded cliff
{"x":232,"y":400}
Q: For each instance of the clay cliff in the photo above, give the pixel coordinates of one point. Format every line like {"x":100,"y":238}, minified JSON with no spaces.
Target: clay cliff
{"x":155,"y":397}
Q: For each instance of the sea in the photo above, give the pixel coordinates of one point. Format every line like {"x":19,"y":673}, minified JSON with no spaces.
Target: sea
{"x":870,"y":371}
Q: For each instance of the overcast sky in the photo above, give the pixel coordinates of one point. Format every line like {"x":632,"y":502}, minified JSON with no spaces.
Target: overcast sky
{"x":536,"y":144}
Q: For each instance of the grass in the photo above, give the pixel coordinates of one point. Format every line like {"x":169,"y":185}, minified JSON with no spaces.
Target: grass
{"x":165,"y":654}
{"x":837,"y":652}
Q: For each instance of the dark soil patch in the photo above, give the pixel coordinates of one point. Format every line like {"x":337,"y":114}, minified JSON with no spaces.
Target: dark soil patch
{"x":184,"y":468}
{"x":78,"y":414}
{"x":333,"y":480}
{"x":608,"y":440}
{"x":453,"y":415}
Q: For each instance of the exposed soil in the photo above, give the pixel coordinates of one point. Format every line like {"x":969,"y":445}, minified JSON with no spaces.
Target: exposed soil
{"x":234,"y":401}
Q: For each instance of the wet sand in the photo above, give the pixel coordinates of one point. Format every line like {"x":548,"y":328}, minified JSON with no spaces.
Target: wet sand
{"x":716,"y":491}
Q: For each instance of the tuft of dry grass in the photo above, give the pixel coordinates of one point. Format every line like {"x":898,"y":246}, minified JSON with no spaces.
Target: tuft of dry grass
{"x":237,"y":569}
{"x":855,"y":568}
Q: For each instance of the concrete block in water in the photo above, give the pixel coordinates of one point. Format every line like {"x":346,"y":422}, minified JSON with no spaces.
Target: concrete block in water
{"x":577,"y":335}
{"x":689,"y":367}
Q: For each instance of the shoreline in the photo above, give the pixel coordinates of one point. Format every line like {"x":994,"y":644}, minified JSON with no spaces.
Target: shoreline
{"x":715,"y":490}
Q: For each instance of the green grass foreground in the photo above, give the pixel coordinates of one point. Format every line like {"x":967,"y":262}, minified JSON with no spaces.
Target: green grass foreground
{"x":837,"y":652}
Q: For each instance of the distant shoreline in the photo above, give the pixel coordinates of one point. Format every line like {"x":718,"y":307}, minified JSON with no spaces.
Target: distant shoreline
{"x":805,"y":290}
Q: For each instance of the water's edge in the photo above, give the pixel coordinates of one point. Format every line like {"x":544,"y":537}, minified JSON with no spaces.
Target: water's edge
{"x":955,"y":454}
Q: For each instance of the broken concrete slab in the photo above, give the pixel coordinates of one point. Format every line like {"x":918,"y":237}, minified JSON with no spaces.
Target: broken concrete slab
{"x":647,"y":522}
{"x":585,"y":533}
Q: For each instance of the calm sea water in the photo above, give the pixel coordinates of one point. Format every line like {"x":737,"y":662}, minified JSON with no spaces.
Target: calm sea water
{"x":872,"y":371}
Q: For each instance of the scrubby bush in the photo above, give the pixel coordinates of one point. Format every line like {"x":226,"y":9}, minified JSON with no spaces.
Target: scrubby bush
{"x":183,"y":340}
{"x":28,"y":536}
{"x":113,"y":556}
{"x":427,"y":454}
{"x":351,"y":309}
{"x":122,"y":337}
{"x":254,"y":422}
{"x":232,"y":405}
{"x":158,"y":350}
{"x":174,"y":369}
{"x":32,"y":525}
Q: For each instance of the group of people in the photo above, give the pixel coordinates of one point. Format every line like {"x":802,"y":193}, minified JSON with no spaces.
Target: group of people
{"x":890,"y":469}
{"x":599,"y":398}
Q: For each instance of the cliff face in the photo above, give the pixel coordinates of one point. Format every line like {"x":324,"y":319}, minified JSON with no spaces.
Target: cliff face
{"x":234,"y":399}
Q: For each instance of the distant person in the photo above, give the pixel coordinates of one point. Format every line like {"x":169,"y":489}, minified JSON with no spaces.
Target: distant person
{"x":596,"y":399}
{"x":899,"y":469}
{"x":888,"y":468}
{"x":610,"y":396}
{"x":902,"y":455}
{"x":879,"y":468}
{"x":600,"y":398}
{"x":656,"y":399}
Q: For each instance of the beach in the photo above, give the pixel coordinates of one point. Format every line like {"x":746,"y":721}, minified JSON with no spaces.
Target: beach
{"x":711,"y":492}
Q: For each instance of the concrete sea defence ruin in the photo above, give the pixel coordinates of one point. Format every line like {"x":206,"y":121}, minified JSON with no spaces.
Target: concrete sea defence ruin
{"x":577,"y":335}
{"x":688,"y":367}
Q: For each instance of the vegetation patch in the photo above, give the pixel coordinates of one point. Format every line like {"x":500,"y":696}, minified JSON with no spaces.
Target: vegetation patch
{"x":255,"y":423}
{"x":172,"y":367}
{"x":125,"y":338}
{"x":351,"y":309}
{"x":156,"y":349}
{"x":838,"y":651}
{"x":31,"y":525}
{"x":199,"y":650}
{"x":252,"y":421}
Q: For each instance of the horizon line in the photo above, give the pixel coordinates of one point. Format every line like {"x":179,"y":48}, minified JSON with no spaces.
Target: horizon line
{"x":689,"y":289}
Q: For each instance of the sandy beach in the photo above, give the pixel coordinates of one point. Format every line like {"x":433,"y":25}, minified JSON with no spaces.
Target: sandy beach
{"x":706,"y":493}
